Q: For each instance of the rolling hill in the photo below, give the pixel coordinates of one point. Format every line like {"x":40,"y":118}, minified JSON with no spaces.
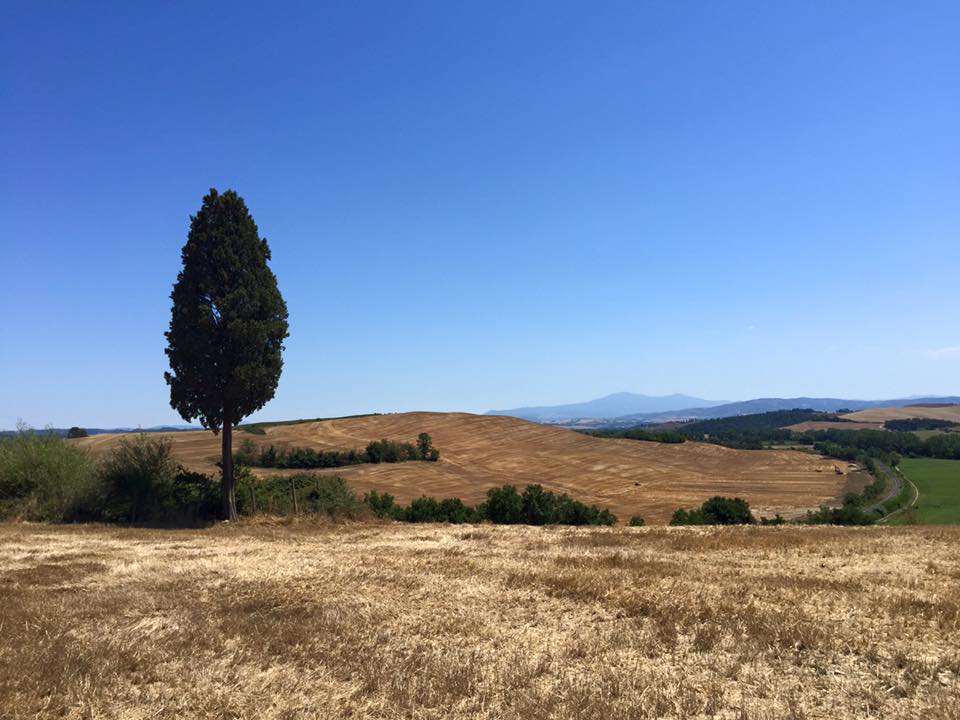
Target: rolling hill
{"x":478,"y":452}
{"x":614,"y":410}
{"x":935,"y":411}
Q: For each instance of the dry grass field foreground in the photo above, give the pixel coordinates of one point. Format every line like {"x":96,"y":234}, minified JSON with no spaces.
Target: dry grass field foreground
{"x":478,"y":452}
{"x":509,"y":623}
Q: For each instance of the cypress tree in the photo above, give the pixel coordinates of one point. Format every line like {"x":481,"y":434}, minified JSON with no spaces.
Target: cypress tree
{"x":227,"y":326}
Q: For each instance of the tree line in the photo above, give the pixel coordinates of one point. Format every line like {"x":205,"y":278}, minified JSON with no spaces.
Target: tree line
{"x":45,"y":478}
{"x":378,"y":451}
{"x":504,"y":505}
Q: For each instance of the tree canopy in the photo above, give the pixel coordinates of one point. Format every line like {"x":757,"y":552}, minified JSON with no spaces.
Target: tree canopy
{"x":228,"y":323}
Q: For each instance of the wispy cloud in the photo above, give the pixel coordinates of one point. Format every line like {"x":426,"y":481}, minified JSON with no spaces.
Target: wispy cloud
{"x":944,"y":352}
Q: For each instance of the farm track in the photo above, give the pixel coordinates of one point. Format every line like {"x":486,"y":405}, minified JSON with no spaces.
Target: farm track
{"x":894,"y":485}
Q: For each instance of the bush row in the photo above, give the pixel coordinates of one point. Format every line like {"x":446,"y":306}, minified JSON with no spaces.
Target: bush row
{"x":45,"y":478}
{"x":720,"y":510}
{"x":378,"y":451}
{"x":504,"y":505}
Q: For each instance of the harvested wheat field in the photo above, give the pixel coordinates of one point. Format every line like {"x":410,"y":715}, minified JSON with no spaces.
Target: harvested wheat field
{"x":881,"y":415}
{"x":478,"y":452}
{"x":431,"y":622}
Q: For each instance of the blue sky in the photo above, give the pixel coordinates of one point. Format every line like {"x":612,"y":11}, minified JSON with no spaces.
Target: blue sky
{"x":481,"y":205}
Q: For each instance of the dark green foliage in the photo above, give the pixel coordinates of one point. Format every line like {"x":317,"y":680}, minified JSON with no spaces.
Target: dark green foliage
{"x":300,"y":493}
{"x":382,"y":505}
{"x":77,"y":432}
{"x":391,"y":451}
{"x":138,"y":480}
{"x":378,"y":451}
{"x":252,"y":429}
{"x":912,"y":424}
{"x":425,"y":447}
{"x":43,"y":477}
{"x":504,"y":505}
{"x":637,"y":521}
{"x":888,"y":444}
{"x":777,"y":519}
{"x":449,"y":510}
{"x":227,"y":326}
{"x":640,"y":433}
{"x":195,"y":497}
{"x":849,"y":514}
{"x":716,"y":511}
{"x":228,"y":320}
{"x":752,"y":432}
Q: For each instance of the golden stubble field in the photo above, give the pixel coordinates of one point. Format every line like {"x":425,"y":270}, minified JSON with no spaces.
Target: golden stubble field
{"x":262,"y":620}
{"x":479,"y":452}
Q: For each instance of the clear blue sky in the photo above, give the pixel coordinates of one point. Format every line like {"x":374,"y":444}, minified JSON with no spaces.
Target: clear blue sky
{"x":481,"y":205}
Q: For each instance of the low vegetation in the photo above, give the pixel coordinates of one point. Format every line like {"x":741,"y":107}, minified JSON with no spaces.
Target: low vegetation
{"x":662,"y":436}
{"x":938,"y":482}
{"x":378,"y":451}
{"x":914,"y":424}
{"x":755,"y":431}
{"x":504,"y":506}
{"x":721,"y":511}
{"x":42,"y":477}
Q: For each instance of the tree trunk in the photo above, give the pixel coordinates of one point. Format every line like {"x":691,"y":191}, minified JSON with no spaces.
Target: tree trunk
{"x":229,"y":496}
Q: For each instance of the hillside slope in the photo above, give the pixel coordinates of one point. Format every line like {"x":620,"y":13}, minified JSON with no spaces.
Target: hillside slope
{"x":478,"y":452}
{"x":931,"y":411}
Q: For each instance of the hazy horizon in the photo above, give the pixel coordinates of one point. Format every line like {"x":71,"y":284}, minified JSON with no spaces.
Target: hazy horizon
{"x":482,"y":207}
{"x":266,"y":416}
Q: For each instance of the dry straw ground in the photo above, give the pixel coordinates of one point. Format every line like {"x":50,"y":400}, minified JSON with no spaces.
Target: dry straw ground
{"x":478,"y":452}
{"x":396,"y":621}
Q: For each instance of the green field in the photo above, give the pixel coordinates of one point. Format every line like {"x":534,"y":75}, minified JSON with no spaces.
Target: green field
{"x":939,"y":484}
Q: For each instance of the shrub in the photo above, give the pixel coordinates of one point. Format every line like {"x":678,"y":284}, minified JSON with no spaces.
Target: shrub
{"x":846,"y":515}
{"x":382,"y":505}
{"x":717,"y":510}
{"x":636,"y":521}
{"x":252,"y":429}
{"x":504,"y":505}
{"x":138,"y":480}
{"x":43,"y":477}
{"x":378,"y":451}
{"x":304,"y":492}
{"x":76,"y":432}
{"x":195,"y":497}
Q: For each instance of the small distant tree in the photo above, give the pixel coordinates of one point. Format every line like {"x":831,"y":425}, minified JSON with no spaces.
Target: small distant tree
{"x":77,"y":432}
{"x":424,"y":445}
{"x":227,"y":326}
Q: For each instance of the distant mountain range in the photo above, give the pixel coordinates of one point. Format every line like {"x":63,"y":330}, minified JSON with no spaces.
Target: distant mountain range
{"x":631,"y":409}
{"x":611,"y":406}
